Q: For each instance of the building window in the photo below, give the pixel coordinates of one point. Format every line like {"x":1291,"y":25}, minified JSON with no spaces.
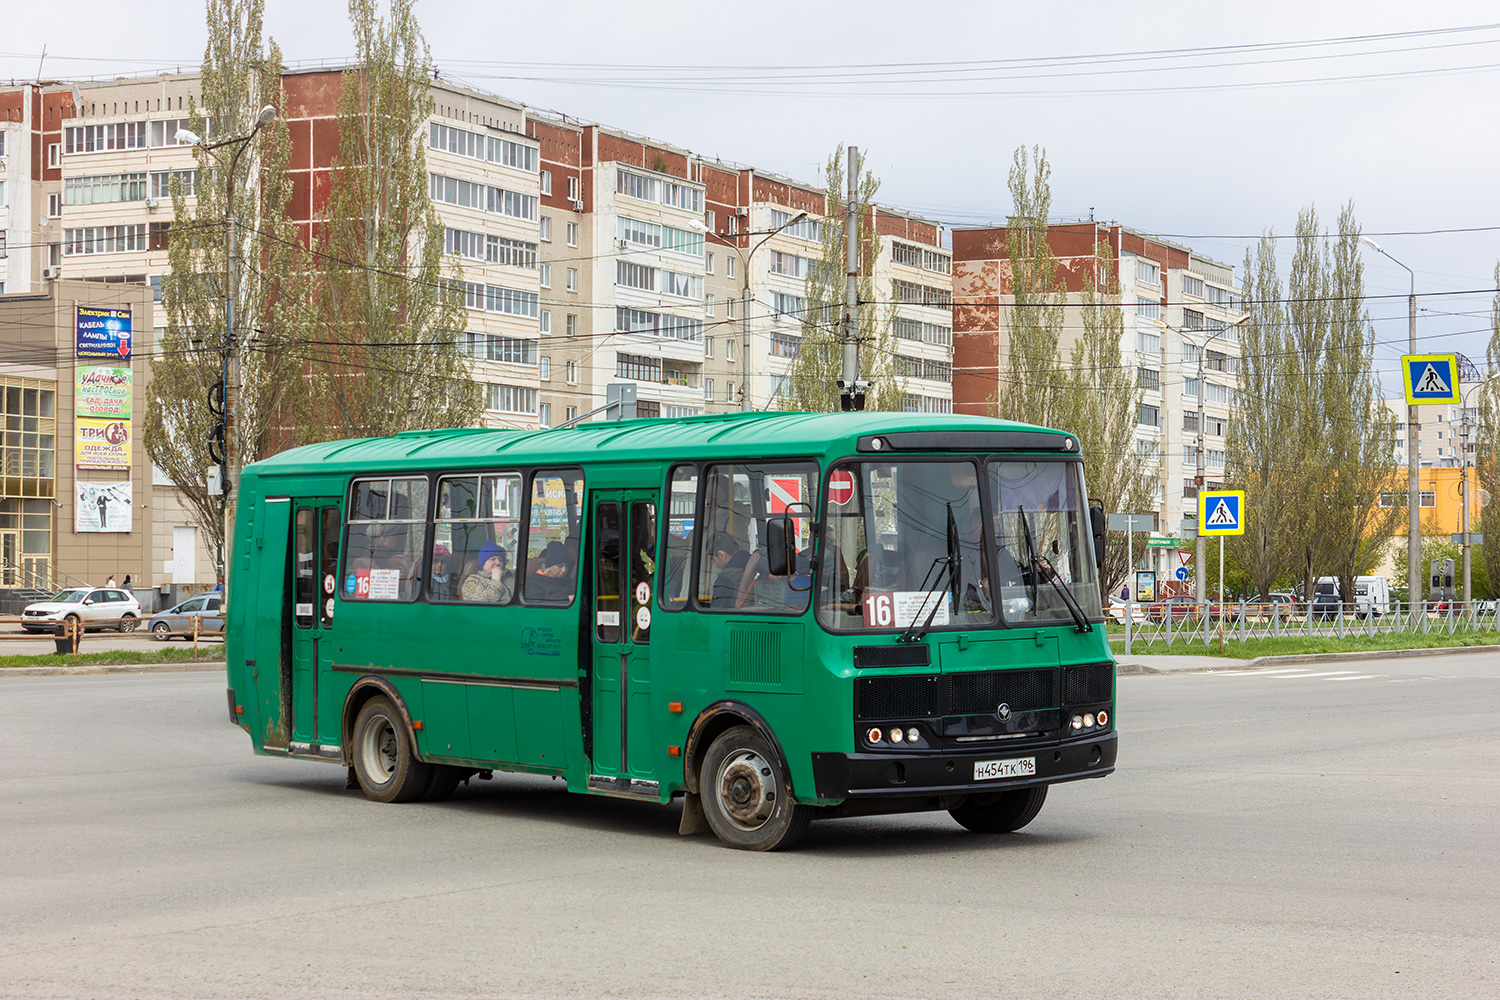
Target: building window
{"x":54,"y":154}
{"x":570,"y":414}
{"x":544,"y":415}
{"x":1147,"y":308}
{"x":157,"y":237}
{"x":1192,"y":285}
{"x":104,"y":189}
{"x":546,"y":275}
{"x":1147,"y":272}
{"x":572,"y":371}
{"x":708,"y":389}
{"x":161,"y":182}
{"x":572,"y":188}
{"x":546,"y":229}
{"x":572,"y":279}
{"x":708,"y":263}
{"x":1148,"y":343}
{"x":572,"y":234}
{"x":708,"y":305}
{"x":103,"y":239}
{"x":729,"y":391}
{"x":101,"y":138}
{"x":730,"y":309}
{"x":1192,"y":319}
{"x":544,"y":321}
{"x":510,"y":398}
{"x":546,"y":182}
{"x":708,"y":347}
{"x":1190,"y":387}
{"x":572,"y":324}
{"x":638,"y":367}
{"x":728,"y":348}
{"x":1150,"y":416}
{"x":54,"y":205}
{"x":544,"y":369}
{"x":1149,"y":378}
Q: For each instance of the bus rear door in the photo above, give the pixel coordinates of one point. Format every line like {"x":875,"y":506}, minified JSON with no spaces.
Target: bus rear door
{"x":622,"y":553}
{"x":314,"y":569}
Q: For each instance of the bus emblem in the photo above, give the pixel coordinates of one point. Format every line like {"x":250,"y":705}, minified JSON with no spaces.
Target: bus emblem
{"x":1003,"y":711}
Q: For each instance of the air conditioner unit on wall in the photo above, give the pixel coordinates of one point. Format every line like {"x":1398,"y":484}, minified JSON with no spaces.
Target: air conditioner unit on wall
{"x":578,"y":204}
{"x":51,"y":273}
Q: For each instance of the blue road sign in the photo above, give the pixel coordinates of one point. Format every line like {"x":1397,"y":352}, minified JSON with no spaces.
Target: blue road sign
{"x":1430,"y":378}
{"x":1221,"y":512}
{"x":1182,"y":573}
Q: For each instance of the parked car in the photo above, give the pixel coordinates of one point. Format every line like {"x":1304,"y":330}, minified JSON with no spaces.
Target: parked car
{"x":1276,"y":604}
{"x":207,"y":608}
{"x":1372,"y":595}
{"x":1183,"y":607}
{"x":1116,"y":611}
{"x":1326,"y":603}
{"x":96,"y":607}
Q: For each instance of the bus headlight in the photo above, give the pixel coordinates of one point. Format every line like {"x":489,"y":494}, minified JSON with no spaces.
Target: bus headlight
{"x":913,"y":735}
{"x":1077,"y":722}
{"x":1103,"y":717}
{"x":896,"y":736}
{"x":873,"y":735}
{"x":1088,"y":721}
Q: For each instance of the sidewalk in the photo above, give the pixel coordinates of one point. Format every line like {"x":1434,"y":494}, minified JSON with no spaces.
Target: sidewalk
{"x":1144,"y":663}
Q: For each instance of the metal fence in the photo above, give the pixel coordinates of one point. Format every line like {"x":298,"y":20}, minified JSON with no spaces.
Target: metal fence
{"x":1204,"y":624}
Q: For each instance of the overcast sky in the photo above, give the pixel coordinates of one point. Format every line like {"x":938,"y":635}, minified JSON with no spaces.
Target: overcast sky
{"x":1153,"y":114}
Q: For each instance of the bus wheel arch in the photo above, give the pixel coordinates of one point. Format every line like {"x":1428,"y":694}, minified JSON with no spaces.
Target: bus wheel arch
{"x":363,"y":690}
{"x":713,"y":722}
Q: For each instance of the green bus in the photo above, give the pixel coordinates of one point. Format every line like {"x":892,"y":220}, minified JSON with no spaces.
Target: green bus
{"x":776,"y":616}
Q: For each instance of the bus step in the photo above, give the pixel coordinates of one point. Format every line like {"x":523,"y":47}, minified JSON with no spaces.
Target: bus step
{"x":607,"y":784}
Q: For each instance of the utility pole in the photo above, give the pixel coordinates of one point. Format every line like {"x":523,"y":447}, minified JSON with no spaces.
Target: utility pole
{"x":745,"y":338}
{"x":852,"y":396}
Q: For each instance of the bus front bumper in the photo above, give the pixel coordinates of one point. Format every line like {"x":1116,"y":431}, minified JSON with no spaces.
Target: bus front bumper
{"x":880,"y":775}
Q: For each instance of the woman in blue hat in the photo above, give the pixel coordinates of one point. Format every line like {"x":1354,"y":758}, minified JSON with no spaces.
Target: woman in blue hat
{"x":493,"y":583}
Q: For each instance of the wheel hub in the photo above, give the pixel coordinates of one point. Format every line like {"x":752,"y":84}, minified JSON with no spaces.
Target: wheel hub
{"x":746,"y":787}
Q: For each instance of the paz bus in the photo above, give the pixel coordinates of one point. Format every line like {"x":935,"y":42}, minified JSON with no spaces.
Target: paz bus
{"x":777,"y":617}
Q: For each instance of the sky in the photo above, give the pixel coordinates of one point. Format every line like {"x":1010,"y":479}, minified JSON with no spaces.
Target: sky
{"x":1208,"y":124}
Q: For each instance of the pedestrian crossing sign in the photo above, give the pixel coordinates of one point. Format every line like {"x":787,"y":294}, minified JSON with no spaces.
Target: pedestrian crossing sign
{"x":1221,"y":512}
{"x":1430,"y":378}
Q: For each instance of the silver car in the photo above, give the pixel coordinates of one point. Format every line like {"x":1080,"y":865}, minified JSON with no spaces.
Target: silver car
{"x":207,"y":608}
{"x":95,"y":607}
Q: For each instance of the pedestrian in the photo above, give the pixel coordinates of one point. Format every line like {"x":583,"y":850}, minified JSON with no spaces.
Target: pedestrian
{"x":111,"y":581}
{"x":1125,"y":592}
{"x":219,"y":587}
{"x":126,"y":585}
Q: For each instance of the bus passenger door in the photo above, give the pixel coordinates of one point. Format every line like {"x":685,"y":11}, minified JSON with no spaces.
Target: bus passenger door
{"x":314,"y":553}
{"x":623,"y":559}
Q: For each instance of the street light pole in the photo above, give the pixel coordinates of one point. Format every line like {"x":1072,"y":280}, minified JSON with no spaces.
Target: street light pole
{"x":1414,"y":520}
{"x":232,"y":459}
{"x":745,"y":299}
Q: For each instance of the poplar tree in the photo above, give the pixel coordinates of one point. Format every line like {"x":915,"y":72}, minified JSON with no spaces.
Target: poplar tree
{"x":1098,"y":400}
{"x":1487,"y":446}
{"x":387,"y":309}
{"x":241,"y":73}
{"x":1031,"y":377}
{"x":812,"y":375}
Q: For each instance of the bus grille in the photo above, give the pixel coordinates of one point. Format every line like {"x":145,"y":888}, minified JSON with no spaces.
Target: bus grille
{"x":930,"y":695}
{"x":1086,"y":684}
{"x":981,"y":693}
{"x":912,"y":697}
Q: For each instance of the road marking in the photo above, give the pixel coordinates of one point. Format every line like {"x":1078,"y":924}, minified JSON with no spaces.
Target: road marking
{"x":1356,"y":677}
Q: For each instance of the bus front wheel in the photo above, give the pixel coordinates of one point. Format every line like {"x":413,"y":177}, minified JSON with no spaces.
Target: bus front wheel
{"x":1000,"y":812}
{"x":746,"y":795}
{"x":384,"y":760}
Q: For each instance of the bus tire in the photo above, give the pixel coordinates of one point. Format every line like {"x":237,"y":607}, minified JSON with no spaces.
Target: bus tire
{"x":445,"y":779}
{"x":384,"y":760}
{"x":1000,"y":812}
{"x":746,"y":796}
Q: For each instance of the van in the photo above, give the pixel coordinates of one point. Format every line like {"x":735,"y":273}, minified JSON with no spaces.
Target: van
{"x":1372,"y":595}
{"x":1325,"y":603}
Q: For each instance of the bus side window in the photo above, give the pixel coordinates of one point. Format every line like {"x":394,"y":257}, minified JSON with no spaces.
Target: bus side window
{"x":682,"y":518}
{"x":387,"y":526}
{"x":551,"y":571}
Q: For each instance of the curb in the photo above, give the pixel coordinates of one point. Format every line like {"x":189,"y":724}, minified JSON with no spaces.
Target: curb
{"x":94,"y":669}
{"x":1127,"y":669}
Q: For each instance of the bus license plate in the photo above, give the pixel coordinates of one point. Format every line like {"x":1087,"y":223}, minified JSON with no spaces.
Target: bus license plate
{"x":1020,"y":767}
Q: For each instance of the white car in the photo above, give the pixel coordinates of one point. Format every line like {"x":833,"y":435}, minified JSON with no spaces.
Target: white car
{"x":95,"y":607}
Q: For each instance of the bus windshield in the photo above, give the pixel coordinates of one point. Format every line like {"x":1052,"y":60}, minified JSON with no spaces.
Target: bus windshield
{"x":905,"y":545}
{"x":1043,"y":541}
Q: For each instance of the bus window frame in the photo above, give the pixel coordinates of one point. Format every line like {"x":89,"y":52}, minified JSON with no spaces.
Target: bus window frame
{"x":700,"y":467}
{"x":576,"y":531}
{"x":419,"y":572}
{"x":437,"y":476}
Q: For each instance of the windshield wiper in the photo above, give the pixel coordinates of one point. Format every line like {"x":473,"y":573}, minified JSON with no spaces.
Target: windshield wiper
{"x":1039,"y":565}
{"x":955,"y":560}
{"x":912,"y":633}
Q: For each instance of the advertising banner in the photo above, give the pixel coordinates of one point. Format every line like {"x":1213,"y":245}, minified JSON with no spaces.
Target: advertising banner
{"x":102,"y":506}
{"x":101,"y":444}
{"x":102,"y":391}
{"x":103,"y":333}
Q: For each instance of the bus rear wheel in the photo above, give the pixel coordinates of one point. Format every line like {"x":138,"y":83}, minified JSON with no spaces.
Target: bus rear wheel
{"x":746,"y":796}
{"x":1000,"y":812}
{"x":384,"y":759}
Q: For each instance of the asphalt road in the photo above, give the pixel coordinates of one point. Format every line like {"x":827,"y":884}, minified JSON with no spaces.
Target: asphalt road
{"x":1304,"y":832}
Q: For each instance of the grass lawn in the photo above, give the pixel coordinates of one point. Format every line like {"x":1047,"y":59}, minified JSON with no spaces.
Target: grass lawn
{"x":1287,"y":645}
{"x":175,"y":654}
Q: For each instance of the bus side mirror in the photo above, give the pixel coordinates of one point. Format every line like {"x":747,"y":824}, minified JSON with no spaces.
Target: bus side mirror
{"x":778,"y":546}
{"x":1096,"y":523}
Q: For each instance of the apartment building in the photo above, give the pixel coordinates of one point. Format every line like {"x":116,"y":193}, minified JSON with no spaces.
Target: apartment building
{"x":1447,"y":433}
{"x":918,"y":272}
{"x":1179,"y":309}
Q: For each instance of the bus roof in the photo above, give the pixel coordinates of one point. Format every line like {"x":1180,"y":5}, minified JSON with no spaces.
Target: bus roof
{"x":759,"y":435}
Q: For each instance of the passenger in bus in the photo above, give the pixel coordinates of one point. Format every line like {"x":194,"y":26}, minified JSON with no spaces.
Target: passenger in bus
{"x":551,"y":579}
{"x":443,"y":586}
{"x":493,"y":583}
{"x":730,"y":560}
